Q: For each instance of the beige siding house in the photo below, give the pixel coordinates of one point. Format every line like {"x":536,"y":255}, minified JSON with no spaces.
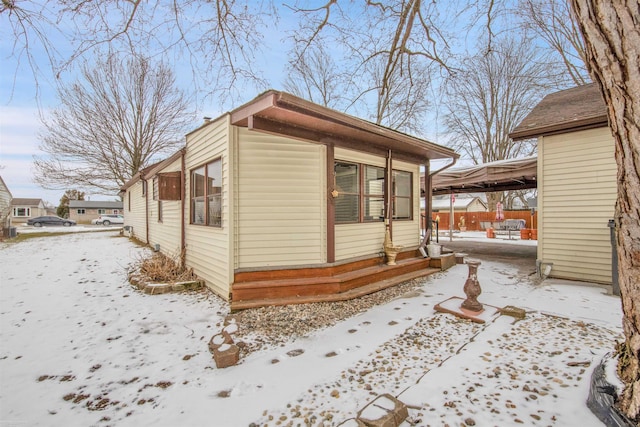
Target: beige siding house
{"x":461,"y":204}
{"x":576,"y":182}
{"x":23,"y":209}
{"x":84,"y":211}
{"x":283,"y":201}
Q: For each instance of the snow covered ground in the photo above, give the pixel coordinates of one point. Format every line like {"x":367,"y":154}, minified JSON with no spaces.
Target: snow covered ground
{"x":80,"y":346}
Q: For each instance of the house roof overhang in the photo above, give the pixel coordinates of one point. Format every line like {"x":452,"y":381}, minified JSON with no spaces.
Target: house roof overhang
{"x":569,"y":110}
{"x":152,"y":170}
{"x":502,"y":175}
{"x":281,"y":113}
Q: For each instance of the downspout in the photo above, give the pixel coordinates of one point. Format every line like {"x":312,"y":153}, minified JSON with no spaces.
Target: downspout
{"x":388,"y":221}
{"x":427,"y":200}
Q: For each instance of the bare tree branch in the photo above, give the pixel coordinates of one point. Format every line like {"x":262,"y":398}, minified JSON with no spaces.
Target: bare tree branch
{"x":110,"y":124}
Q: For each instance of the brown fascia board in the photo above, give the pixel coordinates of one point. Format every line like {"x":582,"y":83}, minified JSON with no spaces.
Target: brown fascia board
{"x":568,"y":110}
{"x":365,"y":125}
{"x":584,"y":124}
{"x":151,"y":170}
{"x":130,"y":183}
{"x":284,"y":101}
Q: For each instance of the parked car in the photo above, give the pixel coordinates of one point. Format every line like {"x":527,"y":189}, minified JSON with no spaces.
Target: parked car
{"x":108,"y":219}
{"x":39,"y":221}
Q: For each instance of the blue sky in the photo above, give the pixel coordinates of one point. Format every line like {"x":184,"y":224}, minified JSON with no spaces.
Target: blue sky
{"x":23,"y":98}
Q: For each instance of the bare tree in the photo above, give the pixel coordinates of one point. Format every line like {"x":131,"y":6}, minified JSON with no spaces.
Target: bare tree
{"x":402,"y":98}
{"x":314,"y":75}
{"x":110,"y":124}
{"x":361,"y":79}
{"x":217,"y":39}
{"x":488,"y":97}
{"x":552,"y":22}
{"x":612,"y":39}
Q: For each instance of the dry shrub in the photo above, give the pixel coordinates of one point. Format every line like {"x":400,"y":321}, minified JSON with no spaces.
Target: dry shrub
{"x":162,"y":268}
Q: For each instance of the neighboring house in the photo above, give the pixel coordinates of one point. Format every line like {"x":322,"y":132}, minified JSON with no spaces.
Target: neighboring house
{"x":576,"y":182}
{"x":5,"y":205}
{"x":461,"y":204}
{"x":83,"y":211}
{"x":283,"y":201}
{"x":23,"y":209}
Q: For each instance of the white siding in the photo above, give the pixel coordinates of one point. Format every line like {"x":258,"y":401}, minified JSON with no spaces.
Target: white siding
{"x":208,"y":248}
{"x":166,"y":233}
{"x":134,"y":211}
{"x":281,"y":202}
{"x":577,"y":196}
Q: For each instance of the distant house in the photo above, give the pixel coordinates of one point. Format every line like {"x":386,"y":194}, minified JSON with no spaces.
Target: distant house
{"x":576,"y":182}
{"x":23,"y":209}
{"x":83,"y":211}
{"x":285,"y":201}
{"x":461,"y":204}
{"x":5,"y":205}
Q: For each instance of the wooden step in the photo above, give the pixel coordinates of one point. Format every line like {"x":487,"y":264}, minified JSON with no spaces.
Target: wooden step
{"x":342,"y":296}
{"x":361,"y":279}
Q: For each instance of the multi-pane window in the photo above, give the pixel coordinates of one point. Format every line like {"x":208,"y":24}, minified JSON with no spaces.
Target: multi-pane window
{"x":21,"y":212}
{"x":347,"y":204}
{"x":373,"y":197}
{"x":206,"y":194}
{"x":102,"y":211}
{"x":402,"y":195}
{"x":361,"y":193}
{"x":80,"y":211}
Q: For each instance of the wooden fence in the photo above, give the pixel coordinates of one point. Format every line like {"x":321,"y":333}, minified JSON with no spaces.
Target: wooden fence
{"x":479,"y":221}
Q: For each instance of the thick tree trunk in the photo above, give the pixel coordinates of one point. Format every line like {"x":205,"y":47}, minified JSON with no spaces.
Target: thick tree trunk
{"x":611,"y":29}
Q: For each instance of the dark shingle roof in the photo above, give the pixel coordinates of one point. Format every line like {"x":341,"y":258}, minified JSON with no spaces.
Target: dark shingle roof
{"x":569,"y":110}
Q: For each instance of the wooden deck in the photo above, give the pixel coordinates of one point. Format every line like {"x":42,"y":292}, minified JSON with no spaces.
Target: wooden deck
{"x":337,"y":282}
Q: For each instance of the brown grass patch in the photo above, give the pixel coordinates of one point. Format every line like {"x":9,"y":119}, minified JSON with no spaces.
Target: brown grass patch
{"x":160,"y":268}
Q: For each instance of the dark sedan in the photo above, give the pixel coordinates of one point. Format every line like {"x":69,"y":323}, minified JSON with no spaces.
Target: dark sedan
{"x":50,"y":220}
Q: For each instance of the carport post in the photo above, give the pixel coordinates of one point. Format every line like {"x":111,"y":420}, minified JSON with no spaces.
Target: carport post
{"x":451,"y":219}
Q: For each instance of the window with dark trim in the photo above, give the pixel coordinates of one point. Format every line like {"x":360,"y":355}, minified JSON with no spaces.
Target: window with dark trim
{"x":361,"y":193}
{"x":373,"y":193}
{"x":22,"y":212}
{"x":402,"y":195}
{"x":206,"y":194}
{"x":347,"y":183}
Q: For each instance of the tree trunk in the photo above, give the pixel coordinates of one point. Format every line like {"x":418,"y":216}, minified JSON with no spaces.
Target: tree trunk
{"x":612,"y":34}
